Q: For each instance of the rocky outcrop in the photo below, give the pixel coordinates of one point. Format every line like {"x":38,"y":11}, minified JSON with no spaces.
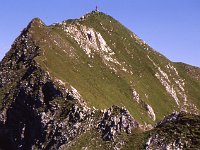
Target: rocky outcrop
{"x":42,"y":115}
{"x":176,"y":131}
{"x":18,"y":58}
{"x":116,"y":120}
{"x":150,"y":112}
{"x":39,"y":115}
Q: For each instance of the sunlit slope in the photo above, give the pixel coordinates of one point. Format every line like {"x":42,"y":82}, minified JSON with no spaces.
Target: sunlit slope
{"x":110,"y":65}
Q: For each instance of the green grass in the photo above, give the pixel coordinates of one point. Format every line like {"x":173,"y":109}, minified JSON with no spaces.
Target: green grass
{"x":92,"y":140}
{"x":136,"y":140}
{"x":99,"y":86}
{"x":186,"y":128}
{"x":192,"y":85}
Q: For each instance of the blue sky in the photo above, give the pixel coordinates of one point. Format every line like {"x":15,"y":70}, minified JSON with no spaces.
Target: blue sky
{"x":172,"y":27}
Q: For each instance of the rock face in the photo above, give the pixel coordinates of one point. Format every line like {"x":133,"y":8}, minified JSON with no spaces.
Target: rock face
{"x":116,"y":120}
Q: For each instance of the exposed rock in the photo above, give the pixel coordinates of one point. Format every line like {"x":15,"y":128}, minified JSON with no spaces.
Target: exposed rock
{"x":175,"y":86}
{"x":151,"y":112}
{"x":31,"y":111}
{"x":192,"y":71}
{"x":174,"y":132}
{"x":136,"y":96}
{"x":116,"y":120}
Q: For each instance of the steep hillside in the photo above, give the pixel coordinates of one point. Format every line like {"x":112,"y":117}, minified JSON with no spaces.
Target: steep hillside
{"x":191,"y":76}
{"x":89,"y":76}
{"x":192,"y":71}
{"x":109,"y":65}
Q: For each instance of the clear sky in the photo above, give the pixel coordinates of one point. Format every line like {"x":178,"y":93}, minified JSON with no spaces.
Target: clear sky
{"x":172,"y":27}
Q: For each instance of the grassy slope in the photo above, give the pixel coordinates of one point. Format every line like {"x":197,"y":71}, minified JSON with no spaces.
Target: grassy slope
{"x":98,"y":85}
{"x":147,"y":84}
{"x":185,"y":129}
{"x":193,"y":71}
{"x":192,"y":84}
{"x":92,"y":140}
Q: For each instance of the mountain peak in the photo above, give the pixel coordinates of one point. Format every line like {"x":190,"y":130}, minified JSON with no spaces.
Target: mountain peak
{"x":36,"y":22}
{"x":89,"y":76}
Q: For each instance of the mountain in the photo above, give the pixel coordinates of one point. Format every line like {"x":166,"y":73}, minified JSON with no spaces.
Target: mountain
{"x":90,"y":83}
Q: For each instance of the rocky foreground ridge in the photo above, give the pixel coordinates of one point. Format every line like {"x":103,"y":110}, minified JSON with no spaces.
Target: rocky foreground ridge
{"x":41,"y":111}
